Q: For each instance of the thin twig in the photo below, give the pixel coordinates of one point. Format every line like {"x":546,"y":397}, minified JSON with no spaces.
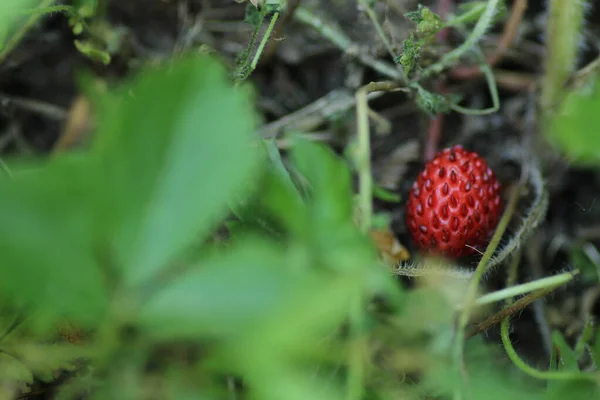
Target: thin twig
{"x":266,"y":36}
{"x":373,"y":17}
{"x":314,"y":114}
{"x":483,"y":24}
{"x":343,"y":42}
{"x":514,"y":308}
{"x":508,"y":36}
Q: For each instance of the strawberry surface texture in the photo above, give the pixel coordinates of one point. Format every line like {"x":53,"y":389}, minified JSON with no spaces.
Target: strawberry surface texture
{"x":454,"y":205}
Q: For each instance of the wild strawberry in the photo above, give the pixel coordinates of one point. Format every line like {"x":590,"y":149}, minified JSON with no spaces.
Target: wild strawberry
{"x":455,"y":204}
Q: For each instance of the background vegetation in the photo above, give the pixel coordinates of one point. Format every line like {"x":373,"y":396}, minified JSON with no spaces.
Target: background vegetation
{"x":205,"y":199}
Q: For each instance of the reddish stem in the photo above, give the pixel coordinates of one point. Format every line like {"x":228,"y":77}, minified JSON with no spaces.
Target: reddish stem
{"x":434,"y":133}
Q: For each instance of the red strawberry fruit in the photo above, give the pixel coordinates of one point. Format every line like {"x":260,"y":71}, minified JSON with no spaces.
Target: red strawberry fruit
{"x":455,"y":204}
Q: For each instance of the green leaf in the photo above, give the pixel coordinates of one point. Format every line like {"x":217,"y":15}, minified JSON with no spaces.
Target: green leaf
{"x":595,"y":349}
{"x":48,"y":244}
{"x":276,"y":205}
{"x":329,"y":179}
{"x":573,"y":128}
{"x":588,"y":267}
{"x":415,"y":16}
{"x":46,"y":360}
{"x":572,"y":390}
{"x":15,"y":374}
{"x":9,"y":10}
{"x":91,"y":50}
{"x":175,"y":145}
{"x":410,"y":54}
{"x":566,"y":360}
{"x":228,"y":291}
{"x":10,"y":13}
{"x":253,"y":15}
{"x":568,"y":356}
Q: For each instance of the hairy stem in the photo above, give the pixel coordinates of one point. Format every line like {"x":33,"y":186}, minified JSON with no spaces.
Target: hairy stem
{"x":378,"y":28}
{"x":565,"y":23}
{"x":343,"y":42}
{"x":363,"y":156}
{"x":483,"y":24}
{"x":266,"y":36}
{"x":471,"y":294}
{"x":538,"y":284}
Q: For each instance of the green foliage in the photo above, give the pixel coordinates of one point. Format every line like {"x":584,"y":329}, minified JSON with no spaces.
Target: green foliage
{"x":428,"y":22}
{"x":253,"y":15}
{"x":410,"y":55}
{"x":433,"y":103}
{"x":200,"y":262}
{"x":92,"y":51}
{"x":572,"y":129}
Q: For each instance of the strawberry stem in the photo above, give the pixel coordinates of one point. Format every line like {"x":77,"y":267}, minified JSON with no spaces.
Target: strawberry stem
{"x":470,"y":297}
{"x":483,"y":24}
{"x":363,"y":154}
{"x":523,"y":288}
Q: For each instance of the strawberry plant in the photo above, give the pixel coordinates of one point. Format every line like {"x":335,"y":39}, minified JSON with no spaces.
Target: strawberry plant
{"x":184,"y":253}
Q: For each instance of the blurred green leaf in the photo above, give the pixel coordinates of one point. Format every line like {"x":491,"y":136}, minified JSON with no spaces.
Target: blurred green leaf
{"x":281,"y":381}
{"x":330,"y":229}
{"x":564,"y":359}
{"x":276,"y":204}
{"x":567,"y":357}
{"x":580,"y":258}
{"x":175,"y":145}
{"x":572,"y":390}
{"x":329,"y":178}
{"x":10,"y":12}
{"x":45,"y":361}
{"x":573,"y":128}
{"x":595,"y":349}
{"x":225,"y":293}
{"x":47,"y":241}
{"x":491,"y":376}
{"x":92,"y":50}
{"x":15,"y":374}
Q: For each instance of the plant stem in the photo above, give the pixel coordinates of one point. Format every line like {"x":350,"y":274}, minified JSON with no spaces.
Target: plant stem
{"x":363,"y":156}
{"x":565,"y":22}
{"x":508,"y":36}
{"x":364,"y":161}
{"x":536,"y":373}
{"x":493,"y":88}
{"x":16,"y":38}
{"x":512,"y":291}
{"x":266,"y":36}
{"x":483,"y":24}
{"x":466,"y":17}
{"x":358,"y":351}
{"x":510,"y":310}
{"x":373,"y":17}
{"x":343,"y":42}
{"x":464,"y":315}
